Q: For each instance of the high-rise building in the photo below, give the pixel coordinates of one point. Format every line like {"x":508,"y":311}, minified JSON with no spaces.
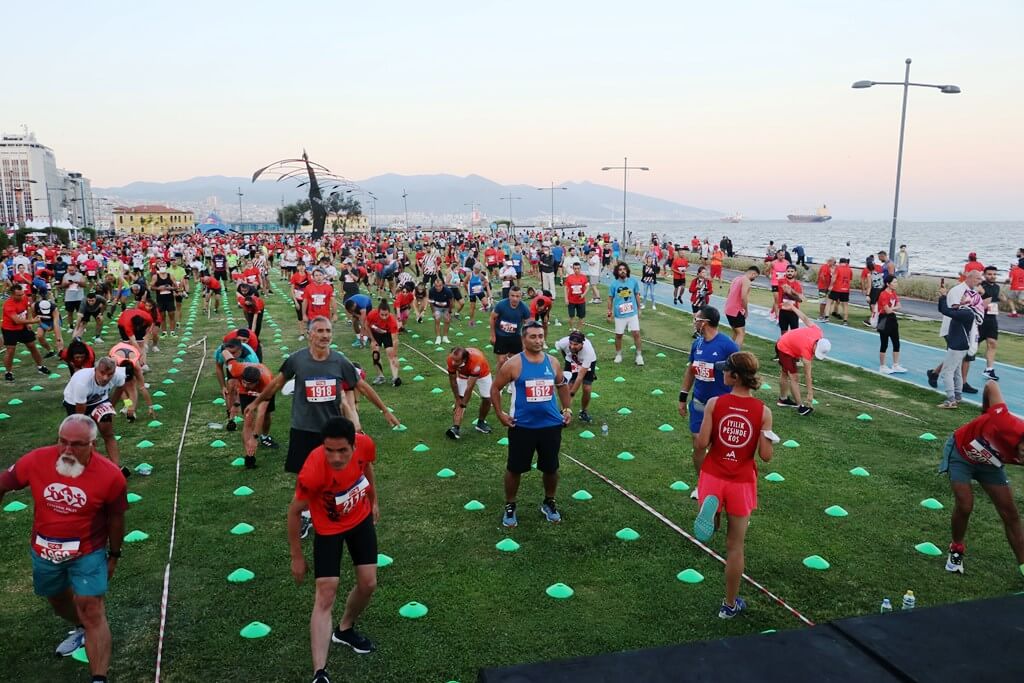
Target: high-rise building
{"x":34,"y":191}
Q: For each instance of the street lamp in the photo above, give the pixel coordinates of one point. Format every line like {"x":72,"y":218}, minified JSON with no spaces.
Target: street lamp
{"x":240,"y":195}
{"x":552,"y":190}
{"x":472,"y":215}
{"x":405,"y":204}
{"x":625,"y":168}
{"x":509,"y":197}
{"x":948,"y":90}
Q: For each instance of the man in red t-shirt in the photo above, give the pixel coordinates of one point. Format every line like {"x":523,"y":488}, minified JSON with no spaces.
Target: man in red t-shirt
{"x":381,"y":326}
{"x":79,"y":500}
{"x":1016,"y":282}
{"x":17,"y":316}
{"x":787,"y":299}
{"x":299,"y":281}
{"x":318,"y":298}
{"x":979,"y":450}
{"x":336,"y":484}
{"x":468,"y":369}
{"x":839,"y":290}
{"x":576,"y":287}
{"x":679,"y":266}
{"x":804,"y":344}
{"x":972,"y":264}
{"x":824,"y":283}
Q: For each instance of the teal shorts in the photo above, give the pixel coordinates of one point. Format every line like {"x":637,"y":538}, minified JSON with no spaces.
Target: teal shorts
{"x":962,"y":470}
{"x":86,"y":575}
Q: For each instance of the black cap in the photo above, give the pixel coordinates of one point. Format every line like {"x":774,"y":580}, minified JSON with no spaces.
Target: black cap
{"x":577,"y":337}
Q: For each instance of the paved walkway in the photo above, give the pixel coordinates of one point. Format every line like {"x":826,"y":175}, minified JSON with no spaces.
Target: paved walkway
{"x":858,"y":346}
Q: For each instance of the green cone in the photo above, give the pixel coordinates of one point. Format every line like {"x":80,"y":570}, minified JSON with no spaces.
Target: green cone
{"x":626,"y":534}
{"x":789,"y":443}
{"x":474,"y":505}
{"x":384,"y":560}
{"x":660,"y":355}
{"x":864,"y":417}
{"x":399,"y":428}
{"x":134,"y":498}
{"x":145,"y":444}
{"x":241,"y":575}
{"x":36,"y":388}
{"x":135,"y":536}
{"x":619,"y":379}
{"x":159,"y":394}
{"x":420,"y":448}
{"x":155,"y":423}
{"x":928,"y":548}
{"x":445,"y":473}
{"x":927,"y":436}
{"x":256,"y":629}
{"x":679,"y":486}
{"x":15,"y":506}
{"x":243,"y":491}
{"x":436,"y":390}
{"x":54,"y":375}
{"x":816,"y":562}
{"x":625,"y":411}
{"x":586,"y":434}
{"x":666,"y":428}
{"x":595,"y":395}
{"x":4,"y":416}
{"x":626,"y":455}
{"x":503,"y":441}
{"x":931,"y":504}
{"x":15,"y":402}
{"x":559,"y":591}
{"x":836,"y":511}
{"x":507,"y":545}
{"x":407,"y":368}
{"x":238,"y":462}
{"x":690,"y":576}
{"x":657,"y":392}
{"x":143,"y":466}
{"x":80,"y":655}
{"x":217,"y":443}
{"x":418,"y":378}
{"x":157,"y":407}
{"x":412,"y":610}
{"x":242,"y":528}
{"x":582,"y":494}
{"x":859,"y":472}
{"x":774,"y":476}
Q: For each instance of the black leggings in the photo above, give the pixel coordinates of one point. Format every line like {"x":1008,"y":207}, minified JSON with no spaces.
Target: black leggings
{"x":891,"y":330}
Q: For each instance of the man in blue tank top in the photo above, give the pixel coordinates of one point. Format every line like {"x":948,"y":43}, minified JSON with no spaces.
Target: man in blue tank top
{"x":534,"y":421}
{"x":704,"y":373}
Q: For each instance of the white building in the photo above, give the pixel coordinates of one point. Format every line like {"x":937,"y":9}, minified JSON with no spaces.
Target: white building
{"x":33,"y":191}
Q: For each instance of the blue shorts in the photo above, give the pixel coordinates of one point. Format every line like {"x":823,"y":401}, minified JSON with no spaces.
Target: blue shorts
{"x":696,"y":415}
{"x":86,"y":576}
{"x":126,"y":291}
{"x":962,"y":471}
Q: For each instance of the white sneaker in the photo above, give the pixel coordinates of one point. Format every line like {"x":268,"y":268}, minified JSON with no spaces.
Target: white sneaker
{"x":437,"y":342}
{"x":639,"y":359}
{"x":618,"y":357}
{"x":75,"y":640}
{"x":884,"y":370}
{"x":154,"y":347}
{"x":654,"y":307}
{"x":446,"y":340}
{"x":693,"y":493}
{"x":642,"y":305}
{"x":897,"y":369}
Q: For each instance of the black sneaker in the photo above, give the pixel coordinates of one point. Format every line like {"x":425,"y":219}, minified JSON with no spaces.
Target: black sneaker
{"x":933,"y":379}
{"x":51,"y":354}
{"x":250,"y":464}
{"x":321,"y":676}
{"x":482,"y":427}
{"x":453,"y":433}
{"x":305,"y":527}
{"x":43,"y":370}
{"x":9,"y":376}
{"x":267,"y":441}
{"x":126,"y":472}
{"x":355,"y":640}
{"x":397,"y":382}
{"x":968,"y":389}
{"x":131,"y":418}
{"x":990,"y":373}
{"x":786,"y":403}
{"x":231,"y":425}
{"x":804,"y":411}
{"x":585,"y":417}
{"x":955,"y":563}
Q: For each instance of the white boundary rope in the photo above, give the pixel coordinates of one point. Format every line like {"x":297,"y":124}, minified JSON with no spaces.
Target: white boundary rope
{"x":174,"y":517}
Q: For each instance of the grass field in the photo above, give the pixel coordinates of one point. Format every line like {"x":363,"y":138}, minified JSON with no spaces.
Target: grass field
{"x":488,"y":607}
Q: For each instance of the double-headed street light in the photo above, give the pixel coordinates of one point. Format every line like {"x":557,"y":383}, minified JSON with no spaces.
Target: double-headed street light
{"x":552,"y":190}
{"x":625,"y":168}
{"x":510,"y":198}
{"x":947,"y":89}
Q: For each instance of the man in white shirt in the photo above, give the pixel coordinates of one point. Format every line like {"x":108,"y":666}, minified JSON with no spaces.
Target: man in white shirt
{"x":953,"y":298}
{"x":88,"y":393}
{"x":580,"y":360}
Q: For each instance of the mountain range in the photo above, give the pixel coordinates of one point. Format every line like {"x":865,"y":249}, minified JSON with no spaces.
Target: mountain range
{"x":433,"y":195}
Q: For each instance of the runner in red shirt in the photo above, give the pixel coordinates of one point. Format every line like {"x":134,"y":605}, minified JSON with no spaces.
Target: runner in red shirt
{"x":824,"y":283}
{"x":736,"y":426}
{"x":788,"y":298}
{"x":806,"y":344}
{"x":839,"y":292}
{"x":679,"y":266}
{"x":468,"y":369}
{"x":1016,"y":282}
{"x":403,"y":303}
{"x":299,"y":281}
{"x":540,"y":308}
{"x":79,"y":500}
{"x":318,"y":298}
{"x":133,"y":324}
{"x":979,"y":450}
{"x":249,"y":380}
{"x":17,"y":316}
{"x":336,"y":484}
{"x":211,"y":292}
{"x":576,"y":287}
{"x":252,"y":307}
{"x":77,"y":355}
{"x":382,"y":328}
{"x":972,"y":264}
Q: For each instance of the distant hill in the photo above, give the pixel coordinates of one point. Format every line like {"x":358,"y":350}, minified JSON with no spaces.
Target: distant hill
{"x":428,"y":194}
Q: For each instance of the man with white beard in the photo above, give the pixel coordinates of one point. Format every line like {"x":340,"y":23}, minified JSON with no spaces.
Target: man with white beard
{"x":88,"y":393}
{"x":79,"y":501}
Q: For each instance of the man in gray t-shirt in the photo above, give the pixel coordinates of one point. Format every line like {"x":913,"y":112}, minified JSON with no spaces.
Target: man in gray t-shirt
{"x":73,"y":285}
{"x":319,"y":387}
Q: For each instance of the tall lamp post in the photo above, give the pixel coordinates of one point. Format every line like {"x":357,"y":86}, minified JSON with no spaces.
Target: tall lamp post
{"x":552,"y":190}
{"x":405,"y":204}
{"x":625,"y":168}
{"x":472,"y":212}
{"x":947,"y":89}
{"x":510,"y":198}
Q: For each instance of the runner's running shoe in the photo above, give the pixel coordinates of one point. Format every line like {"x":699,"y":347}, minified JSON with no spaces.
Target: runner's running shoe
{"x":990,"y":373}
{"x":453,"y":433}
{"x":933,"y":379}
{"x":509,"y":520}
{"x":267,"y":441}
{"x":955,"y":562}
{"x":355,"y":640}
{"x":786,"y":403}
{"x":968,"y":389}
{"x":585,"y":417}
{"x":74,"y":640}
{"x":804,"y":411}
{"x":482,"y":427}
{"x":726,"y":612}
{"x":704,"y":524}
{"x":898,"y":369}
{"x":321,"y":676}
{"x":550,"y":510}
{"x":305,"y":527}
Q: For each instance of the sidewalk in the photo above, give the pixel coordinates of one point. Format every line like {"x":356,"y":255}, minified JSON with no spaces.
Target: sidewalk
{"x":858,"y":346}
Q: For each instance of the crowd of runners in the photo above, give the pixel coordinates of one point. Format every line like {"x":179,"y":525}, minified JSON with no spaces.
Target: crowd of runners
{"x":519,"y":289}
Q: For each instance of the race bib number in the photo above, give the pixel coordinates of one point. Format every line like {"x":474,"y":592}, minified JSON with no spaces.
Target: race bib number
{"x":979,"y":451}
{"x":477,"y":289}
{"x":704,"y":371}
{"x":91,"y":273}
{"x":319,"y":299}
{"x":539,"y":390}
{"x":56,"y":549}
{"x":993,"y":308}
{"x":626,"y":308}
{"x":102,"y":410}
{"x":346,"y":501}
{"x":507,"y":327}
{"x":321,"y":390}
{"x":73,"y":286}
{"x":576,"y":289}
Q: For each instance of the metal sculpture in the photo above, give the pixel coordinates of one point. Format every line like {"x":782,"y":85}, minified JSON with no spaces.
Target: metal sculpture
{"x":318,"y":177}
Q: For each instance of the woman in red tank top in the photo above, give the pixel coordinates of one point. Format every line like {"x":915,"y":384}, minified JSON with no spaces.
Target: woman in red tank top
{"x":736,"y":427}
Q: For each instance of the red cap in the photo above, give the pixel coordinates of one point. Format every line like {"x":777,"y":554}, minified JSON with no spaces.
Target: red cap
{"x":972,"y":256}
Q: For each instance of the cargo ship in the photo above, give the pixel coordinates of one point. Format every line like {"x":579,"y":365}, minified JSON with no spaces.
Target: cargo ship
{"x":820,"y":216}
{"x":735,"y":218}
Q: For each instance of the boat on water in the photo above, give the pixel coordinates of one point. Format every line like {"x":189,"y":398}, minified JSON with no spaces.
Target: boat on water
{"x":735,"y":218}
{"x":819,"y":216}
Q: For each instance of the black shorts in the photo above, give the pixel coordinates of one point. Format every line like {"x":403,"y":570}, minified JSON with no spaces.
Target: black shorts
{"x":989,"y":328}
{"x":841,"y":297}
{"x":578,"y":311}
{"x":383,"y":339}
{"x":91,"y":315}
{"x":737,"y":322}
{"x":300,"y":444}
{"x":165,"y":303}
{"x":873,"y":296}
{"x":138,"y":334}
{"x":15,"y":337}
{"x":290,"y":269}
{"x":456,"y":293}
{"x":678,"y":283}
{"x":220,"y":275}
{"x":477,"y":297}
{"x":523,"y":443}
{"x":775,"y":288}
{"x":588,"y":378}
{"x":507,"y":345}
{"x":89,"y":407}
{"x":327,"y":550}
{"x":298,"y":312}
{"x":72,"y":306}
{"x":245,"y":401}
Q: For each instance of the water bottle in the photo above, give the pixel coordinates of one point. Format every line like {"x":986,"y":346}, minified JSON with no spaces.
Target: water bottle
{"x":909,"y":601}
{"x":886,"y":606}
{"x":604,"y":429}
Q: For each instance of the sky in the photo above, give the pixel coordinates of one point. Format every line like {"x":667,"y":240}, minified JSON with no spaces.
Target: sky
{"x":739,"y":106}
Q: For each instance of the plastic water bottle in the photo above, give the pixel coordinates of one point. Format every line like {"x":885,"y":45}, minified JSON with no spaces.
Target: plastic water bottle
{"x":909,"y":601}
{"x":604,"y":429}
{"x":886,"y":606}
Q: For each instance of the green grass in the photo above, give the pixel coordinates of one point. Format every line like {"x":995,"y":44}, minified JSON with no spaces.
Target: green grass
{"x":489,"y":608}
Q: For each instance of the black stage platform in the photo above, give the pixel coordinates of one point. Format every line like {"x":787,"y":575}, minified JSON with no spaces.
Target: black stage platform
{"x":968,"y":642}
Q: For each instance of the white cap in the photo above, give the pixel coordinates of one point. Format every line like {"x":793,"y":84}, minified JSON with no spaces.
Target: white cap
{"x":822,"y":348}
